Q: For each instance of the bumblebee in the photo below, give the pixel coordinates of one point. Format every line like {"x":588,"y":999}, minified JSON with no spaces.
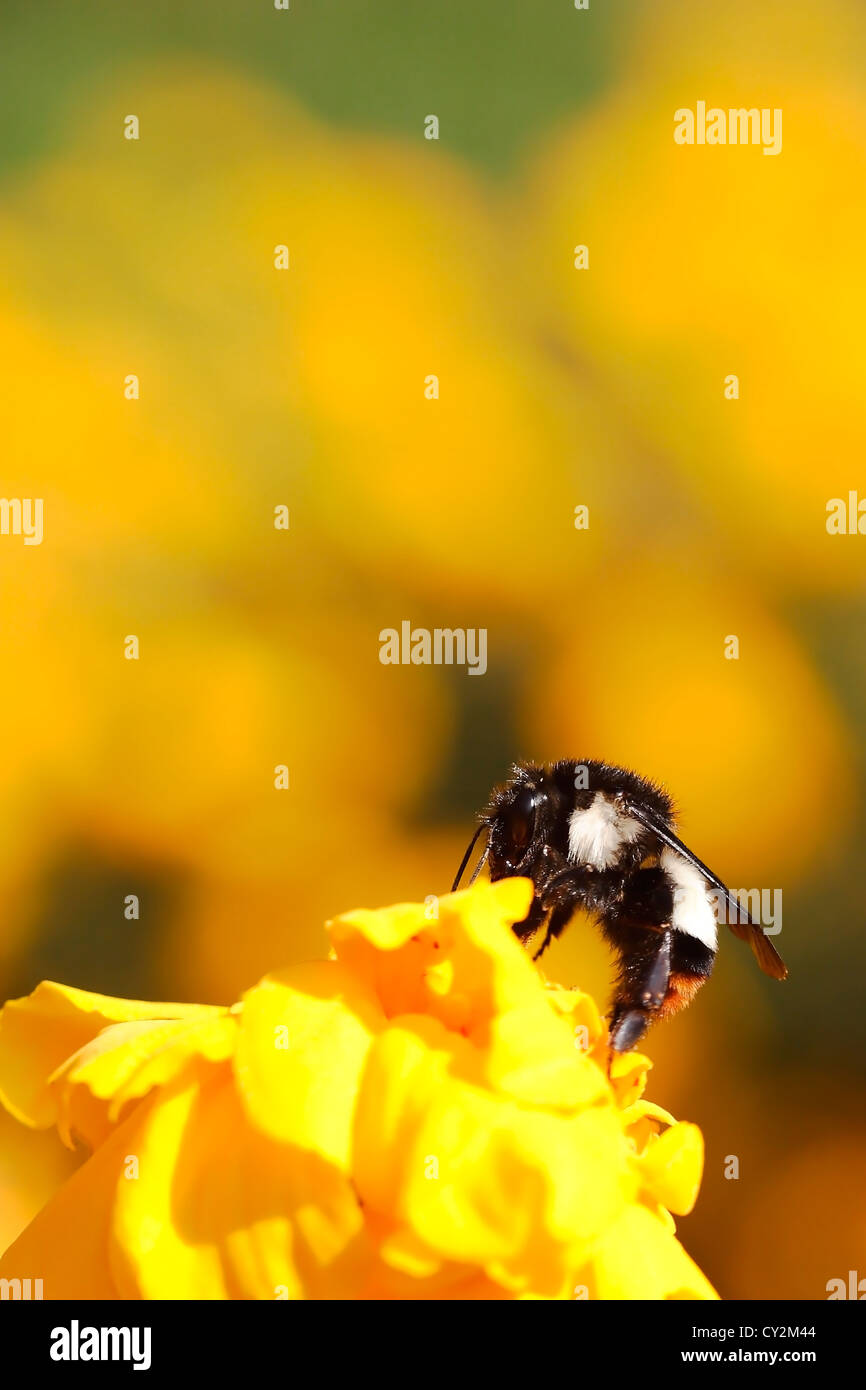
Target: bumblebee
{"x":602,"y":838}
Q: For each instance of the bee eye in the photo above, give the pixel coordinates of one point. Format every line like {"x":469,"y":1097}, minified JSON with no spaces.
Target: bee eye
{"x":521,"y":819}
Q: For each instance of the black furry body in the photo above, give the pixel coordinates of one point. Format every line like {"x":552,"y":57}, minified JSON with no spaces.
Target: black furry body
{"x":593,"y":836}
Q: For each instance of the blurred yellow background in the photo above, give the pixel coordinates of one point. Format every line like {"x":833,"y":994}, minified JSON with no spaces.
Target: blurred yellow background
{"x":305,"y":387}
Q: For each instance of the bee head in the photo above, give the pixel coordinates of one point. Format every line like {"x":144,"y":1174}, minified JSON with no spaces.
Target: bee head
{"x":520,"y":816}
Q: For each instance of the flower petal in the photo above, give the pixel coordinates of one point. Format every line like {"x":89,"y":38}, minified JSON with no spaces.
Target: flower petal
{"x":67,"y":1243}
{"x":39,"y":1032}
{"x":532,"y":1054}
{"x":639,"y":1258}
{"x":628,"y":1074}
{"x":123,"y":1062}
{"x":303,"y":1041}
{"x":672,"y":1165}
{"x":219,"y":1210}
{"x":401,"y":951}
{"x":479,"y":1178}
{"x":643,"y":1122}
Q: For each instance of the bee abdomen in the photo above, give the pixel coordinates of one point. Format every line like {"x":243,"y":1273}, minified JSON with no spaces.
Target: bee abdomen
{"x":691,"y":963}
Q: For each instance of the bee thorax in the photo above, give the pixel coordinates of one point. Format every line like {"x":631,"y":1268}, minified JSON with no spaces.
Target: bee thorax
{"x":598,"y":832}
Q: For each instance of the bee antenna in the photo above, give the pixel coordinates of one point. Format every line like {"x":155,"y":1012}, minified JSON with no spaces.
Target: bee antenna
{"x":465,"y":860}
{"x":479,"y":866}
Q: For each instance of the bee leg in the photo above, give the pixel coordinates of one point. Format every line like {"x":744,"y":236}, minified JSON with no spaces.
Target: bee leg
{"x":627,"y":1028}
{"x":556,"y":923}
{"x":550,"y":864}
{"x":569,"y":886}
{"x":544,"y":945}
{"x":531,"y":922}
{"x":564,"y":890}
{"x":642,"y":993}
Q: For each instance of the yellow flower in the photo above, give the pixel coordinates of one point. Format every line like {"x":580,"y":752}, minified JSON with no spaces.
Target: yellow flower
{"x":420,"y":1116}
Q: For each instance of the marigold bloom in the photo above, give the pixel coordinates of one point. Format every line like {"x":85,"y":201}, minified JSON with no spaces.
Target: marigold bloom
{"x":420,"y":1116}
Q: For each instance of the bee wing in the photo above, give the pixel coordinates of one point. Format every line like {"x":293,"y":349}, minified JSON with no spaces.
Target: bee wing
{"x":741,"y":925}
{"x":764,"y":951}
